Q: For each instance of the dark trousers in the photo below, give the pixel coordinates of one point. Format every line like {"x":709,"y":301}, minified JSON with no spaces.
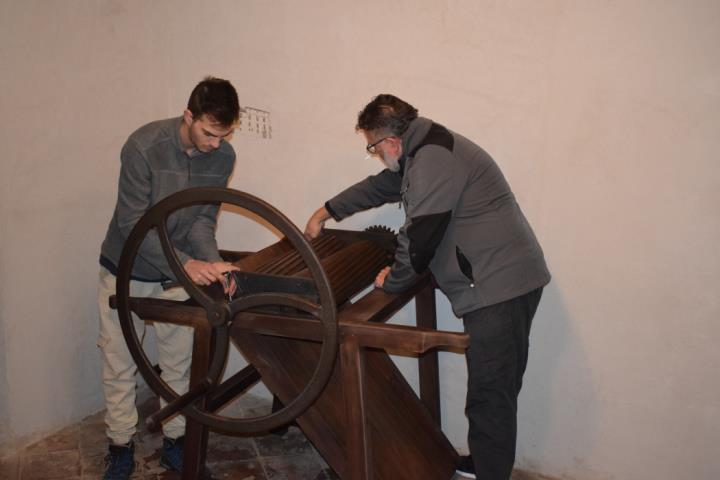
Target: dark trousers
{"x":496,"y":360}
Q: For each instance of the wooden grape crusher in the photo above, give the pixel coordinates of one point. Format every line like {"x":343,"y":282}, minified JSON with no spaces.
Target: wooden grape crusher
{"x":323,"y":356}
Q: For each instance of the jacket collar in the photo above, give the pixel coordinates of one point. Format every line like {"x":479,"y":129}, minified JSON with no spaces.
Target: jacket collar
{"x":177,"y":141}
{"x":176,"y":133}
{"x":416,"y":132}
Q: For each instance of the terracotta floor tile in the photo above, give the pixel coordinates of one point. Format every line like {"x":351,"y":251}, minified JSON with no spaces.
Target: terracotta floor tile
{"x":247,"y":470}
{"x":93,"y":464}
{"x":10,"y":468}
{"x":291,"y":443}
{"x":78,"y":453}
{"x":294,"y":467}
{"x":66,"y":439}
{"x":53,"y":465}
{"x":226,"y":448}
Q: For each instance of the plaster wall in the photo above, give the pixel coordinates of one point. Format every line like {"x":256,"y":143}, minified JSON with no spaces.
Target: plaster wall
{"x":5,"y":435}
{"x":602,"y":114}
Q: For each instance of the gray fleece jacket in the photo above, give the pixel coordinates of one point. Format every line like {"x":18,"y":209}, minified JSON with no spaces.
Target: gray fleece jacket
{"x":154,"y":166}
{"x":462,"y":220}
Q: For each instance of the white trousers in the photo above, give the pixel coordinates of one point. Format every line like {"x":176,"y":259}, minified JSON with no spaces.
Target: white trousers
{"x":174,"y":356}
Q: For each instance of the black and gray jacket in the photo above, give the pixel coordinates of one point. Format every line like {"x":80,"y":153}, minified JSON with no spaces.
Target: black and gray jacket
{"x":462,"y":220}
{"x":153,"y":166}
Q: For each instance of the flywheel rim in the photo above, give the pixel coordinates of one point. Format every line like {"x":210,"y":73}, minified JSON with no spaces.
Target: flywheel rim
{"x":220,"y":314}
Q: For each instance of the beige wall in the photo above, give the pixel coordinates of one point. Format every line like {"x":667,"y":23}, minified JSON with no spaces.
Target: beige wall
{"x":602,"y":114}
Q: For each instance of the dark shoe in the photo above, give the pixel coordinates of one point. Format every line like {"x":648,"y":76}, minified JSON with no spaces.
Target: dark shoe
{"x":120,"y":462}
{"x":465,"y":467}
{"x":172,"y":453}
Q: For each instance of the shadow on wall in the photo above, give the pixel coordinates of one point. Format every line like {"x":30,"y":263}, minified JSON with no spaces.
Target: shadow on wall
{"x":557,"y":406}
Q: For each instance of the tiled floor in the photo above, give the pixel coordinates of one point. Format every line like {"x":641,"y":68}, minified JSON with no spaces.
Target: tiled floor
{"x":78,"y":452}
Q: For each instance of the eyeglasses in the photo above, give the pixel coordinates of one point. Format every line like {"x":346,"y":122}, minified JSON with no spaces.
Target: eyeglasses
{"x":371,"y":147}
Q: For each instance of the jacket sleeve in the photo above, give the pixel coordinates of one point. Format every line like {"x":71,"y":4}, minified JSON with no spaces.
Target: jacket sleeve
{"x":134,"y":198}
{"x":202,"y":234}
{"x":372,"y":192}
{"x":434,"y":188}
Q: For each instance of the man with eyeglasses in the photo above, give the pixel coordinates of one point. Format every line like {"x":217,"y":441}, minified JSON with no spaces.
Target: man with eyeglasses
{"x":464,"y":224}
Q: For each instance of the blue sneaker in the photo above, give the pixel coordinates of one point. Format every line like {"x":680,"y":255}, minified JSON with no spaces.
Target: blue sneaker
{"x":120,"y":462}
{"x":172,"y":453}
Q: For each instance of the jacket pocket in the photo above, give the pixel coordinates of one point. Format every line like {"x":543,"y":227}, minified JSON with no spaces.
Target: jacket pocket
{"x":464,"y":264}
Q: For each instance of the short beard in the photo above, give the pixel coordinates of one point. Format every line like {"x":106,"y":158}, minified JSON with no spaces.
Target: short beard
{"x":393,"y":164}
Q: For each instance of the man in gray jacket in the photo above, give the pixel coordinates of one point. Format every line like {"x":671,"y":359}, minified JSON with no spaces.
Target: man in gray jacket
{"x":158,"y":160}
{"x":464,"y":224}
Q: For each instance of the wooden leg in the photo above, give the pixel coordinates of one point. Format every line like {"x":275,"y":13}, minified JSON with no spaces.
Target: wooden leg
{"x":428,"y":363}
{"x":359,"y":466}
{"x":196,"y":434}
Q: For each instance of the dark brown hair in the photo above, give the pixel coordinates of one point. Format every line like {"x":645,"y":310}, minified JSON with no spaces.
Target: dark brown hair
{"x":215,"y":98}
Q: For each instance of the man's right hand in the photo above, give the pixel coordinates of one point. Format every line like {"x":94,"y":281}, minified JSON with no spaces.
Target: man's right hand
{"x":316,"y":223}
{"x":205,"y":273}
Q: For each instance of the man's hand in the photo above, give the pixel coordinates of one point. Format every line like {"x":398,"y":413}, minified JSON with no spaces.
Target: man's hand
{"x":205,"y":273}
{"x":316,"y":223}
{"x":231,"y":286}
{"x":380,"y":278}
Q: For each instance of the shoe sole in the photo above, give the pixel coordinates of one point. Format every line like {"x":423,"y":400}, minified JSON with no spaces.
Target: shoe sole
{"x":465,"y":474}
